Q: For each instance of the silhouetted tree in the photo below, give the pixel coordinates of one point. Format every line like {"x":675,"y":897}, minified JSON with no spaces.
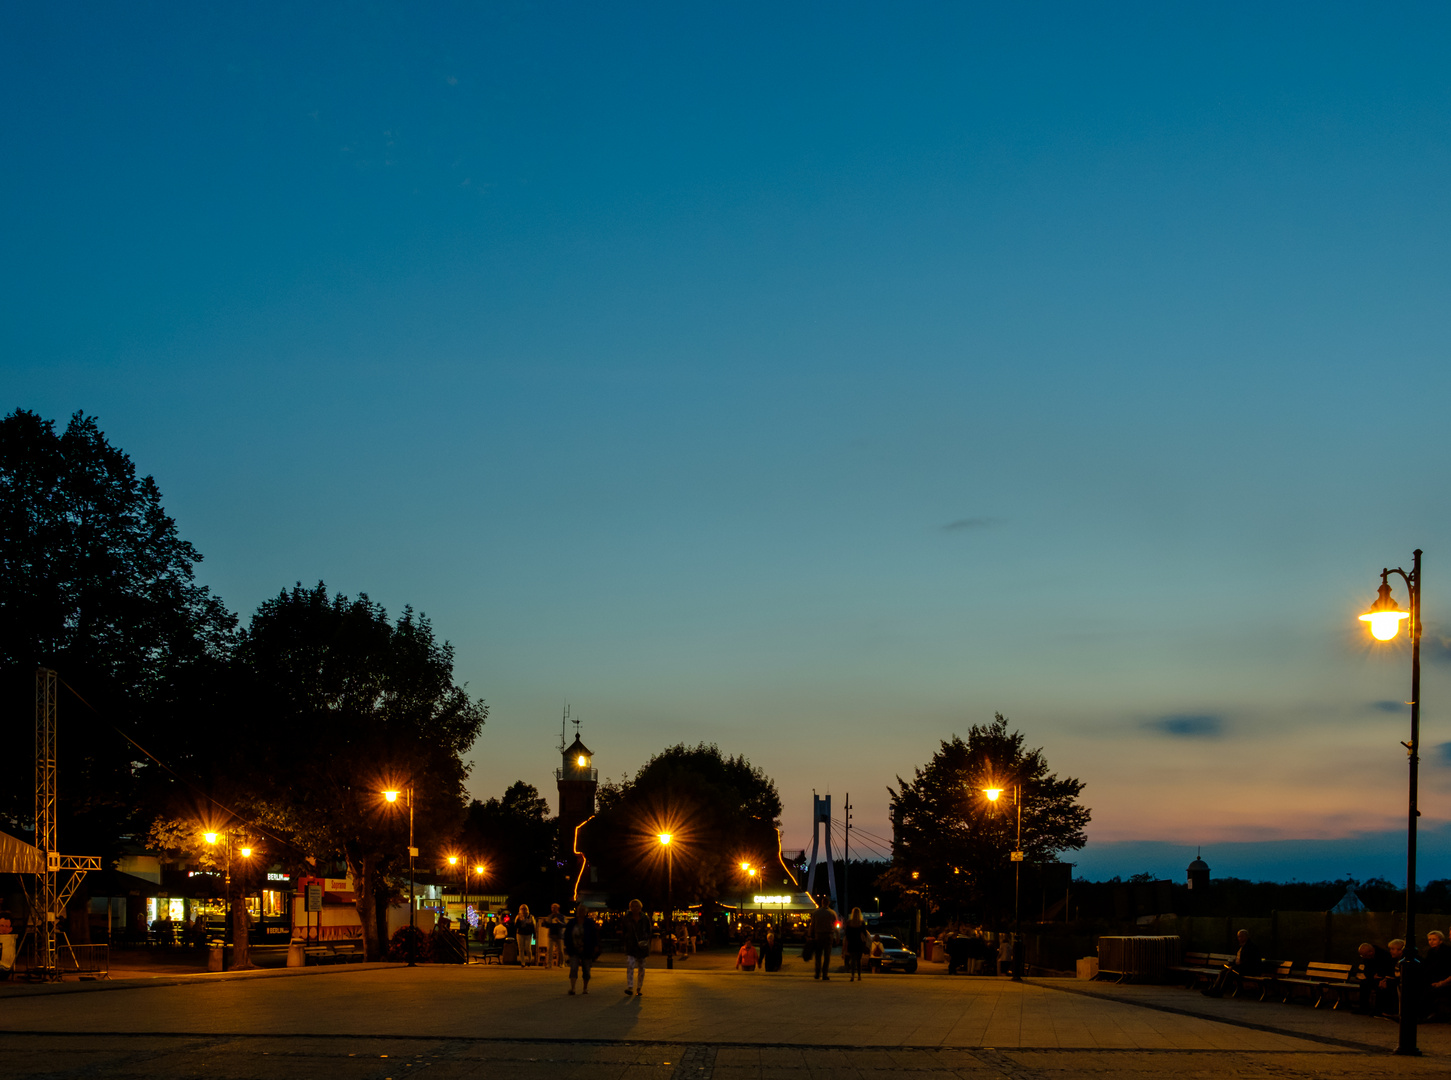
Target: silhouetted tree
{"x":97,"y":583}
{"x":343,"y":705}
{"x":956,"y":840}
{"x":719,"y":810}
{"x":515,"y":836}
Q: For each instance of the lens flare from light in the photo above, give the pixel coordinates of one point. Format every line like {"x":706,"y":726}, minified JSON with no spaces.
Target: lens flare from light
{"x":391,"y":796}
{"x":992,"y":793}
{"x":1384,"y":625}
{"x":210,"y":838}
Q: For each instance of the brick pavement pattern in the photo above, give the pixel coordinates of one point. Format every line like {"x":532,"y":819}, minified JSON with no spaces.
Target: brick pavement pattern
{"x":385,"y":1022}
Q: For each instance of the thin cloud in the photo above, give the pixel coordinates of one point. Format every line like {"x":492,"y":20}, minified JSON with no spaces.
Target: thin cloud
{"x":962,"y":524}
{"x":1443,"y":753}
{"x":1388,"y":706}
{"x":1186,"y":726}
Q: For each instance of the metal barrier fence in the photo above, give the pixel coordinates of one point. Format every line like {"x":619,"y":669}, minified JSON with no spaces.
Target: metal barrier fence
{"x":93,"y":961}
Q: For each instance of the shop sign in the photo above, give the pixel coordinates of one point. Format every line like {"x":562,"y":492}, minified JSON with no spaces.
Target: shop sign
{"x":314,"y":898}
{"x":770,"y":899}
{"x":271,"y":876}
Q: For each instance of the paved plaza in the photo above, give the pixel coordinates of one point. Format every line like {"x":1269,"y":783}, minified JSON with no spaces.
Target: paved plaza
{"x":375,"y":1022}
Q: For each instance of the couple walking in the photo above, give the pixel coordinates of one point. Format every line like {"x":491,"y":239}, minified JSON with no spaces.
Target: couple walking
{"x":582,"y":947}
{"x":854,"y":940}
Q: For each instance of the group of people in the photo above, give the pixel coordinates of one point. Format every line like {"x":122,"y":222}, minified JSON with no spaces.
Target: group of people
{"x":1378,"y":973}
{"x":857,"y":942}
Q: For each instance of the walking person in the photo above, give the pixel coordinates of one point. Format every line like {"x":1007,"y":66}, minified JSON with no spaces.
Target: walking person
{"x":823,"y":930}
{"x":524,"y":936}
{"x":636,"y":929}
{"x":554,"y":952}
{"x":854,"y":943}
{"x":581,"y":942}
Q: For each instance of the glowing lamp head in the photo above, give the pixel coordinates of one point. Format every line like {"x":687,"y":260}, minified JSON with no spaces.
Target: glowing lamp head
{"x":752,"y":871}
{"x":246,"y":852}
{"x":582,"y":761}
{"x":992,"y":793}
{"x":1384,"y":615}
{"x":391,"y":796}
{"x":210,"y":838}
{"x":478,"y":869}
{"x":665,"y":838}
{"x":453,"y":860}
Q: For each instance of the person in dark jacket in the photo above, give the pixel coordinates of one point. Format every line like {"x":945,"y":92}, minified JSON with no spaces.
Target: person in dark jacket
{"x":823,"y":932}
{"x":1246,"y":961}
{"x":636,"y":929}
{"x":581,"y":945}
{"x":1377,"y":976}
{"x":771,"y":951}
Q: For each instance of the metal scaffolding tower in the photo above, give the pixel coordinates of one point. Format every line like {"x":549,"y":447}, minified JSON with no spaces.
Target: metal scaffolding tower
{"x":48,"y":903}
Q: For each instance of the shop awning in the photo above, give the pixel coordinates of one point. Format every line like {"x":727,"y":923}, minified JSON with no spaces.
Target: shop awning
{"x":781,"y":903}
{"x":111,"y":883}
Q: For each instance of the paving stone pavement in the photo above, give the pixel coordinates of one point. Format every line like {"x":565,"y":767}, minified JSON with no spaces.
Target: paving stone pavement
{"x":388,"y":1022}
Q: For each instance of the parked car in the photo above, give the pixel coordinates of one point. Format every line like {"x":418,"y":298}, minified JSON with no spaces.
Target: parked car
{"x":896,"y":956}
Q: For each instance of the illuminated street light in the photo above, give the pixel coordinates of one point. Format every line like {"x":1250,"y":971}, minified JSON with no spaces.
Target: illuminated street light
{"x":993,"y":794}
{"x":665,"y":839}
{"x":1385,"y":615}
{"x":1385,"y":618}
{"x":392,"y":796}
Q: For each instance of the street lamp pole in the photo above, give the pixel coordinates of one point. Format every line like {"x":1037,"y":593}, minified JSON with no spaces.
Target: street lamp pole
{"x":392,"y":796}
{"x":669,"y":947}
{"x":1019,"y":953}
{"x":1385,"y":619}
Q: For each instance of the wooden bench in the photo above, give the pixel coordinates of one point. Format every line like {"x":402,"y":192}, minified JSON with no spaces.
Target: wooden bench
{"x":335,"y":952}
{"x":1199,"y":966}
{"x":1268,"y":979}
{"x":1322,"y":980}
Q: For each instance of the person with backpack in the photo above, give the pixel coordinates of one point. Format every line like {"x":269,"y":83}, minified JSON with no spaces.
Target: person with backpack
{"x":637,"y":930}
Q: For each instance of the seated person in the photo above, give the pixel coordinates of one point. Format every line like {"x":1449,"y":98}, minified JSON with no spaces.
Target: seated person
{"x":746,"y":958}
{"x":1246,"y":961}
{"x":1377,"y":975}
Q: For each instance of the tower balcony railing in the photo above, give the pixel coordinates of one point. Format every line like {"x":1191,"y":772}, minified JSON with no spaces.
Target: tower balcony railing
{"x":574,"y":773}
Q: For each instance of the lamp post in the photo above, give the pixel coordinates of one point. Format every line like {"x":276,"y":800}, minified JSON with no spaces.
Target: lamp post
{"x":392,"y":797}
{"x":478,"y":873}
{"x":993,"y":794}
{"x":665,"y":839}
{"x":1384,"y":619}
{"x":211,"y":838}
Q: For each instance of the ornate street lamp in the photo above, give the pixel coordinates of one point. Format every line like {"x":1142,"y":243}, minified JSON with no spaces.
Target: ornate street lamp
{"x":1384,"y":619}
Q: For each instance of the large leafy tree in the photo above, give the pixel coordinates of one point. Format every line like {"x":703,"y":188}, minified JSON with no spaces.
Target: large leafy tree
{"x":97,"y":583}
{"x":344,"y":705}
{"x":719,"y":810}
{"x":514,"y":836}
{"x":956,"y":841}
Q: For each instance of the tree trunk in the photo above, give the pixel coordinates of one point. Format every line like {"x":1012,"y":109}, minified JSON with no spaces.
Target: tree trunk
{"x":365,"y":897}
{"x":241,"y":938}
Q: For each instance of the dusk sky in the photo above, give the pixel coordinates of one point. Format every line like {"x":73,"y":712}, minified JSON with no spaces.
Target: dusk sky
{"x":812,"y":379}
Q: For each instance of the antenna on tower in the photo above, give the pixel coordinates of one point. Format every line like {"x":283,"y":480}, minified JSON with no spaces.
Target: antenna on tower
{"x":564,"y":720}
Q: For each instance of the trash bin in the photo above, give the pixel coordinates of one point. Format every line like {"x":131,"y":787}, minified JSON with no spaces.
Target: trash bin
{"x":929,"y":948}
{"x":214,"y":958}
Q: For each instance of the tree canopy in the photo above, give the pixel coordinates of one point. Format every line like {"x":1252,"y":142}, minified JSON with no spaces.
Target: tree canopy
{"x":515,"y":836}
{"x":97,"y":583}
{"x":719,"y":810}
{"x":345,"y":704}
{"x":959,"y":842}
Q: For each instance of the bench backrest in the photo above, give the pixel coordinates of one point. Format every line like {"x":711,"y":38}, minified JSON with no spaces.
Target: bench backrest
{"x":1328,"y":971}
{"x":1196,"y":959}
{"x":1221,"y":957}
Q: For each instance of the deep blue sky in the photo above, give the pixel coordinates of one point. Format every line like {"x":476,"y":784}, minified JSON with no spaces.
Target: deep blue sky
{"x":815,"y":379}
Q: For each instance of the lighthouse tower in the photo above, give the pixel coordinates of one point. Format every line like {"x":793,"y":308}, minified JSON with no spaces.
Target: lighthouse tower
{"x":578,"y":780}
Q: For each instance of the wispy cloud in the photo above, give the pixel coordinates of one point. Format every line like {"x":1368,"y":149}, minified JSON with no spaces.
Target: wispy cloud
{"x":1442,"y":753}
{"x":1388,"y":706}
{"x":1437,"y":648}
{"x":962,"y":524}
{"x":1186,"y":726}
